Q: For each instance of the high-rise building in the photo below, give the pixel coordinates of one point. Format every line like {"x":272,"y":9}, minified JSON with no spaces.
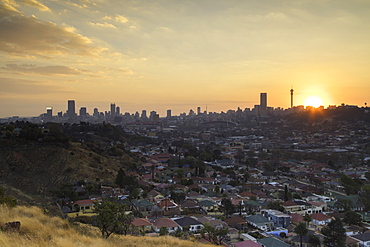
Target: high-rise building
{"x":49,"y":113}
{"x":96,"y":112}
{"x":169,"y":113}
{"x":198,"y":110}
{"x":118,"y":111}
{"x":291,"y":97}
{"x":263,"y":104}
{"x":83,"y":112}
{"x":143,"y":114}
{"x":71,"y":112}
{"x":112,"y":110}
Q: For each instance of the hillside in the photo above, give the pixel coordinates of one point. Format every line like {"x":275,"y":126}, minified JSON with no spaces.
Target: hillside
{"x":38,"y":168}
{"x":38,"y":229}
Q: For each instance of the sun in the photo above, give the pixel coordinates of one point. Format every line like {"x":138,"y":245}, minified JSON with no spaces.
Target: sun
{"x":313,"y":101}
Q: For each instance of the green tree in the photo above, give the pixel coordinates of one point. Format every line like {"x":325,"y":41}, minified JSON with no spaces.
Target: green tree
{"x":7,"y":200}
{"x":212,"y":234}
{"x":334,"y":234}
{"x":301,"y":230}
{"x":352,"y":218}
{"x":307,"y":218}
{"x":314,"y":241}
{"x":111,"y":217}
{"x":277,"y":205}
{"x":163,"y":231}
{"x":120,"y":178}
{"x":227,"y":207}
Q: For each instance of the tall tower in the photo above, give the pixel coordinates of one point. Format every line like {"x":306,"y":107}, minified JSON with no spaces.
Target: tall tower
{"x":263,"y":103}
{"x":169,"y":113}
{"x":291,"y":97}
{"x":71,"y":112}
{"x":112,"y":110}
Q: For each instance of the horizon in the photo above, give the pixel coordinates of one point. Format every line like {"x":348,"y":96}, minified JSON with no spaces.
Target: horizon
{"x":179,"y":55}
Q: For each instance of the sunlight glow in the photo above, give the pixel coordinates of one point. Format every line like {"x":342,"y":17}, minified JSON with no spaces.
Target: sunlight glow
{"x":313,"y":101}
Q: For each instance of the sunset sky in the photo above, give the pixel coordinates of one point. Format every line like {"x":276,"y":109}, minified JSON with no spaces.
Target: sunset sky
{"x":180,"y":54}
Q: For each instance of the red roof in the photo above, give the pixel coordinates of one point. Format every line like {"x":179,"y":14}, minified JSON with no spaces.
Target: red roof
{"x":164,"y":222}
{"x":140,"y":222}
{"x":320,"y":217}
{"x":246,"y":194}
{"x":289,"y":203}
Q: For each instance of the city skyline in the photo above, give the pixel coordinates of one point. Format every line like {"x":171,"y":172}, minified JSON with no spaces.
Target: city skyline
{"x":180,"y":55}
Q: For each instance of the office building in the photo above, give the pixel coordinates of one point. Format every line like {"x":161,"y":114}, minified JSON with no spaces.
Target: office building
{"x":169,"y":114}
{"x":198,"y":110}
{"x":49,"y":113}
{"x":263,"y":104}
{"x":71,"y":112}
{"x":118,"y":111}
{"x":112,"y":110}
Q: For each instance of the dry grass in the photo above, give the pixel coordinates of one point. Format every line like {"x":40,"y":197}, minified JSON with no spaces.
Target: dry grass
{"x":38,"y":229}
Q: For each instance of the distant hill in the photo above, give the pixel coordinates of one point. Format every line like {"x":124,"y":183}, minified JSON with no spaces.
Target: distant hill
{"x":39,"y":229}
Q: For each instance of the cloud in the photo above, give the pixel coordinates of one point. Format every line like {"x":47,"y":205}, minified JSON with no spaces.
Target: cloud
{"x":117,"y":18}
{"x":23,"y":35}
{"x":37,"y":4}
{"x":28,"y":87}
{"x":121,"y":19}
{"x":105,"y":24}
{"x":42,"y":70}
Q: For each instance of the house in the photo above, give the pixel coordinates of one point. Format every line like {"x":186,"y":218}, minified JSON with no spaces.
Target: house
{"x":141,"y":225}
{"x":260,"y":222}
{"x":143,"y":206}
{"x":237,"y":222}
{"x":83,"y":208}
{"x":189,"y":222}
{"x":169,"y":207}
{"x":246,"y":243}
{"x":209,"y":205}
{"x":364,"y":239}
{"x":272,"y":242}
{"x":247,"y":195}
{"x":279,"y":218}
{"x":293,"y":207}
{"x":168,"y":223}
{"x":191,"y":207}
{"x":319,"y":220}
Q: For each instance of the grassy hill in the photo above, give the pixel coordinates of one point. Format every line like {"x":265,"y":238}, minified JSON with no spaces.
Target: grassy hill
{"x":39,"y":229}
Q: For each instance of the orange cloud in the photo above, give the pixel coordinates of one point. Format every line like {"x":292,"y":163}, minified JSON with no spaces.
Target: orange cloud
{"x":23,"y":35}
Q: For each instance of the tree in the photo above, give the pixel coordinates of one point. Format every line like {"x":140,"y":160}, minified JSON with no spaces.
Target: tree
{"x":111,"y":217}
{"x":352,"y":218}
{"x":227,"y":207}
{"x":307,"y":218}
{"x":7,"y":200}
{"x":314,"y":240}
{"x":301,"y":230}
{"x":212,"y":234}
{"x":120,"y":178}
{"x":163,"y":231}
{"x":277,"y":205}
{"x":334,"y":234}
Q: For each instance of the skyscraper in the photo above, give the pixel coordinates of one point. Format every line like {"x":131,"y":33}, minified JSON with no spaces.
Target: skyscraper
{"x":49,"y":113}
{"x":118,"y":111}
{"x":112,"y":110}
{"x":198,"y":110}
{"x":169,"y":113}
{"x":263,"y":104}
{"x":291,"y":97}
{"x":71,"y":112}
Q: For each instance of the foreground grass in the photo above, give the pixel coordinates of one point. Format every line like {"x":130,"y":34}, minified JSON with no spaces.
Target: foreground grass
{"x":38,"y":229}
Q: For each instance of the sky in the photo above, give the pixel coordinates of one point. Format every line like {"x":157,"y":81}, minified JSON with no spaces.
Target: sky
{"x":181,"y":54}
